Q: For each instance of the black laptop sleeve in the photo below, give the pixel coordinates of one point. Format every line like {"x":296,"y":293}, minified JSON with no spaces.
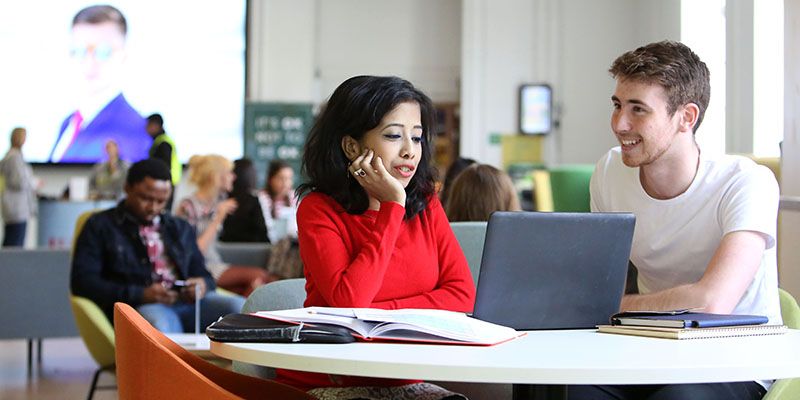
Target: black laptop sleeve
{"x":250,"y":328}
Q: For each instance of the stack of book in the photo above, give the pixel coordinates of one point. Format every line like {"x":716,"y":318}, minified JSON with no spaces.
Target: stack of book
{"x":685,"y":324}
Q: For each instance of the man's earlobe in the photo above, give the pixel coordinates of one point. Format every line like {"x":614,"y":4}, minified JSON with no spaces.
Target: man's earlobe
{"x":691,"y":113}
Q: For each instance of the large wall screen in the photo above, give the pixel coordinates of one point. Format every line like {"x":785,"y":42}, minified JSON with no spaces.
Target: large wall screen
{"x":184,"y":60}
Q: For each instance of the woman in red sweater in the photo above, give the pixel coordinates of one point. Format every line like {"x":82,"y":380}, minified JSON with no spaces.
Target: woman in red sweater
{"x":371,"y":229}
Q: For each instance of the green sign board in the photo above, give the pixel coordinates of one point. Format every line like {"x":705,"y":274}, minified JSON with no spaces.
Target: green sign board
{"x":276,"y":131}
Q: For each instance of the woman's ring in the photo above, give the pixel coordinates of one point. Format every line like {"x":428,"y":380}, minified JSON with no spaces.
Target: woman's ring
{"x":360,"y":172}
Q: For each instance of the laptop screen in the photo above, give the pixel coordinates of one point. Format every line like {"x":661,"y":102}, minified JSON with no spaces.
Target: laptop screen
{"x":553,"y":270}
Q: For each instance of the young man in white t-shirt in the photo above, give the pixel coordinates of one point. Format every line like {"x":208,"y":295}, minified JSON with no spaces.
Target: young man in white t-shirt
{"x":705,"y":227}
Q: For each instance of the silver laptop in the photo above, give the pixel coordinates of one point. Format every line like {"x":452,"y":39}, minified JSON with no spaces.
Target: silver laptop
{"x":553,"y":270}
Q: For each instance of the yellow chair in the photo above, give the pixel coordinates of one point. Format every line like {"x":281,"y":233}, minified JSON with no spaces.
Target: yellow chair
{"x":151,"y":366}
{"x":98,"y":336}
{"x":773,"y":163}
{"x":787,"y":388}
{"x":95,"y":329}
{"x":79,"y":223}
{"x":542,"y":191}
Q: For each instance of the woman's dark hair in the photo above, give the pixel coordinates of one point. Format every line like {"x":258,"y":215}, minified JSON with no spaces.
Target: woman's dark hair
{"x":357,"y":106}
{"x":245,"y":181}
{"x":275,"y":166}
{"x":456,"y":167}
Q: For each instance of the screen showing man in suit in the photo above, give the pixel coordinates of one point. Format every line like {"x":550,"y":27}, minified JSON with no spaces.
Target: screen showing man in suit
{"x":82,"y":73}
{"x":98,"y":57}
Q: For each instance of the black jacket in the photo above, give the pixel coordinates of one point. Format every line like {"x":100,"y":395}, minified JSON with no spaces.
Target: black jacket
{"x":110,"y":261}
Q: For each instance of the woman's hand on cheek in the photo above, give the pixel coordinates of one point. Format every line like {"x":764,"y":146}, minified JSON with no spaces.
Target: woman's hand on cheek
{"x":376,"y":180}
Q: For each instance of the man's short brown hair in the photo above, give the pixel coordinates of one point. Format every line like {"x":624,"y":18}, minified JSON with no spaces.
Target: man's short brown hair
{"x":675,"y":67}
{"x":99,"y":14}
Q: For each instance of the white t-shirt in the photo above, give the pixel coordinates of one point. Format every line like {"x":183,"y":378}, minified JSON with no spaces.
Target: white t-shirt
{"x":675,"y":239}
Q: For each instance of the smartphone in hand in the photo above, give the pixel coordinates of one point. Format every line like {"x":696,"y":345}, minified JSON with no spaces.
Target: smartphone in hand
{"x":178,"y":285}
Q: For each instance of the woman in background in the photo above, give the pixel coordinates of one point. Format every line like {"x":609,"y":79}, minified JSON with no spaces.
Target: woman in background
{"x":480,"y":190}
{"x":19,"y":191}
{"x":279,"y":202}
{"x":206,"y":210}
{"x":108,"y":177}
{"x":372,"y":231}
{"x":246,"y":223}
{"x":185,"y":187}
{"x":459,"y":165}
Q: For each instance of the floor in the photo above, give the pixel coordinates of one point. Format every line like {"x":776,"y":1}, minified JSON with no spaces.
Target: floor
{"x":65,"y":372}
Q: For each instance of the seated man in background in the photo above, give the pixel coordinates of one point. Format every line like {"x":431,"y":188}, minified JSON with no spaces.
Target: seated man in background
{"x":705,"y":225}
{"x":134,"y":253}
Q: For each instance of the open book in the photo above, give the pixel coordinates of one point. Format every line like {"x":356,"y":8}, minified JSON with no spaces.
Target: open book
{"x":693,"y":333}
{"x":412,"y":325}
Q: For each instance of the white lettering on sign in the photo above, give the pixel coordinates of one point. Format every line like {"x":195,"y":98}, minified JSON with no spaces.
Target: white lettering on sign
{"x":288,"y":152}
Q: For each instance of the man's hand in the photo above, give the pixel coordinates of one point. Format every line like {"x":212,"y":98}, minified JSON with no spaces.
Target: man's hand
{"x":157,"y":293}
{"x":192,"y":284}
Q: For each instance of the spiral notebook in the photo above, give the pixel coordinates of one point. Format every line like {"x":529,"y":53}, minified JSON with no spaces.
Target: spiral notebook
{"x":694,"y":333}
{"x":684,"y":319}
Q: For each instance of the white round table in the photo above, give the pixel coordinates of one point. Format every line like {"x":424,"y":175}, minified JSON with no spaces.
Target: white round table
{"x":543,"y":358}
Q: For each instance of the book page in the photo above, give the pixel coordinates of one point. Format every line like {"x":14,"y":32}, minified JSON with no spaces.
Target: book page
{"x":370,"y":323}
{"x":321,"y":315}
{"x":447,"y":324}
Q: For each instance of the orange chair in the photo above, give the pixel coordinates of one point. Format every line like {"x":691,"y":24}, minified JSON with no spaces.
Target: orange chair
{"x":151,"y":366}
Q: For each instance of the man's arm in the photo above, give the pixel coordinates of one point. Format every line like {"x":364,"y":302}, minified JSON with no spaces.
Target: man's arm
{"x":196,"y":268}
{"x":729,"y":273}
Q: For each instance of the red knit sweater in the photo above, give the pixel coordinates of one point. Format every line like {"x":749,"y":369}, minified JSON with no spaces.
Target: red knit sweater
{"x":376,"y":259}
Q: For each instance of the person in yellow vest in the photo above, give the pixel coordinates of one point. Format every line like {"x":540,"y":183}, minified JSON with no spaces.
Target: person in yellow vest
{"x":163,"y":148}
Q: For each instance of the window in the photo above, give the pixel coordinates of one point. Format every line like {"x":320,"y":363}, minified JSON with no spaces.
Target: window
{"x":767,"y":77}
{"x":703,"y":29}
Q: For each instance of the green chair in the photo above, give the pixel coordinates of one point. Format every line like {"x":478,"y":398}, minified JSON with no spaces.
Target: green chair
{"x":570,"y":187}
{"x":790,"y":311}
{"x":470,"y":236}
{"x":277,"y":295}
{"x":787,"y":388}
{"x":98,"y":336}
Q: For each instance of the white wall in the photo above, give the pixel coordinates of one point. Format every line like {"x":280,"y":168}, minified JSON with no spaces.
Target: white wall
{"x":415,"y":39}
{"x":596,"y":33}
{"x":281,"y":47}
{"x":301,"y":50}
{"x":569,"y":44}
